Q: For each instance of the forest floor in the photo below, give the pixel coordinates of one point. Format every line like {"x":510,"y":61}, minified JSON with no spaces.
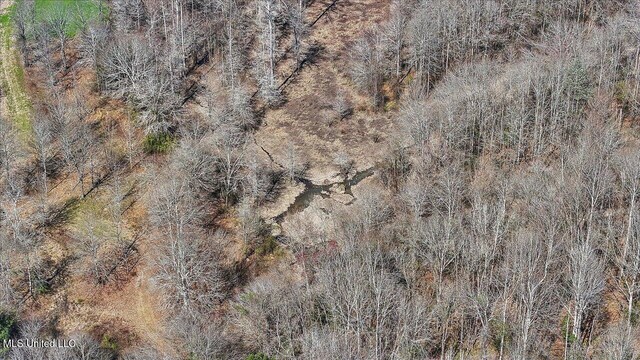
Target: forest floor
{"x":129,"y":310}
{"x":306,"y":121}
{"x":307,"y":125}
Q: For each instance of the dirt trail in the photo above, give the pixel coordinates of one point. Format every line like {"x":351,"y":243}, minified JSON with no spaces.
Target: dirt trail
{"x":135,"y":307}
{"x":16,"y":102}
{"x":149,"y":323}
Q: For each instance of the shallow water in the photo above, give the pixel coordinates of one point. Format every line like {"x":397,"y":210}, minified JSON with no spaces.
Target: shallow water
{"x":311,"y":190}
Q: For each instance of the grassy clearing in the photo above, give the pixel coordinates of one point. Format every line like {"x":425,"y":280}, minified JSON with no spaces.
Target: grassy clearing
{"x":12,"y":77}
{"x":92,"y":216}
{"x":80,"y":11}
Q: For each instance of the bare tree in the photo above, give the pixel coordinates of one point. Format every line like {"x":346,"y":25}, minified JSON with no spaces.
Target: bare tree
{"x":618,"y":343}
{"x":8,"y":292}
{"x":93,"y":39}
{"x":267,"y":13}
{"x":129,"y":14}
{"x":230,"y":150}
{"x":394,"y":32}
{"x":42,"y":144}
{"x":586,"y":283}
{"x":437,"y":243}
{"x":416,"y":125}
{"x":362,"y":296}
{"x":24,"y":18}
{"x":274,"y":311}
{"x":57,"y":23}
{"x":10,"y":151}
{"x":250,"y":223}
{"x":344,"y":163}
{"x":294,"y":165}
{"x":78,"y":144}
{"x":627,"y":260}
{"x":189,"y":273}
{"x":44,"y":54}
{"x":239,"y":110}
{"x":367,"y":65}
{"x":131,"y":69}
{"x":532,"y":265}
{"x":342,"y":105}
{"x":126,"y":64}
{"x":202,"y":338}
{"x":296,"y":12}
{"x":234,"y":57}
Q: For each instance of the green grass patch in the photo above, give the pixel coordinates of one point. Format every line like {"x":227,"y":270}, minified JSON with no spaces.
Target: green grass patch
{"x":158,"y":143}
{"x":79,"y":12}
{"x":5,"y":18}
{"x":42,"y":286}
{"x":501,"y":334}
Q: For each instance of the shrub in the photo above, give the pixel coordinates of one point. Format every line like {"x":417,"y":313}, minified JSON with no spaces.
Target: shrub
{"x":566,"y":331}
{"x":7,"y":326}
{"x":268,"y":246}
{"x":108,"y":343}
{"x":158,"y":143}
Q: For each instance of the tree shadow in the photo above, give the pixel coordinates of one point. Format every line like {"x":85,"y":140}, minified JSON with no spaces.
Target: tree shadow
{"x":61,"y":214}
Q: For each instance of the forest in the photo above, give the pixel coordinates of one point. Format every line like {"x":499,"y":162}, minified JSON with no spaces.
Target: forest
{"x":320,"y":179}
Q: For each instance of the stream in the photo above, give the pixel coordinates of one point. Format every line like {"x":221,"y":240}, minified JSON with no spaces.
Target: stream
{"x":311,"y":191}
